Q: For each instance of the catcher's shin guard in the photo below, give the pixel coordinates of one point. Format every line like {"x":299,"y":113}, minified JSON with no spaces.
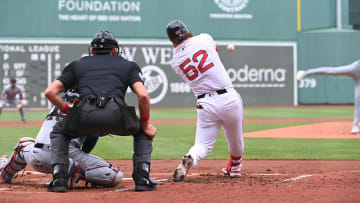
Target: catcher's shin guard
{"x":76,"y":173}
{"x":16,"y":161}
{"x":102,"y":175}
{"x":142,"y":179}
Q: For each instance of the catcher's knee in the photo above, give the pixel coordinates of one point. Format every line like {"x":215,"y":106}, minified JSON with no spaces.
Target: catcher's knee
{"x":103,"y":176}
{"x":16,"y":160}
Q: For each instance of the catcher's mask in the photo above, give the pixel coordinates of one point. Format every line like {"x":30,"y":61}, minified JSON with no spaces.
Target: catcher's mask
{"x":104,"y":40}
{"x":176,"y":29}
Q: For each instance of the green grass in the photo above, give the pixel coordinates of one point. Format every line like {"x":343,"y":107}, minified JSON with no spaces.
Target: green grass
{"x":173,"y":141}
{"x":30,"y":116}
{"x":291,"y":112}
{"x":251,"y":112}
{"x":9,"y":136}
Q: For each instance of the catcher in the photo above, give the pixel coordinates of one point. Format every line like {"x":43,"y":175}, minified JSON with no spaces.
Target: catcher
{"x":36,"y":153}
{"x":8,"y":96}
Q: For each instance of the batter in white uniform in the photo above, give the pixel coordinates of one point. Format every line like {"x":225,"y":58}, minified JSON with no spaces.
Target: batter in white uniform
{"x":218,"y":104}
{"x":36,"y":153}
{"x":351,"y":70}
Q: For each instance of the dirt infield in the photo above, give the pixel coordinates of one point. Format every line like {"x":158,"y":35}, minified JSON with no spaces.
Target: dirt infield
{"x":261,"y":180}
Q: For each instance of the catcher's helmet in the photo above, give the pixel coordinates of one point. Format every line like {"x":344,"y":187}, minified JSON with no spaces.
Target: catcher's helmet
{"x":13,"y":80}
{"x":104,"y":40}
{"x":175,"y":29}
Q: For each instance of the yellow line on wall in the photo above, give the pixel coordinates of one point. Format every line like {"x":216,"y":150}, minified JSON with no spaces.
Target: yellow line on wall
{"x":298,"y":15}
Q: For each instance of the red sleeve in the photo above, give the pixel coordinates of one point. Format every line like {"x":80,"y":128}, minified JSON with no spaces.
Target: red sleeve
{"x":20,"y":94}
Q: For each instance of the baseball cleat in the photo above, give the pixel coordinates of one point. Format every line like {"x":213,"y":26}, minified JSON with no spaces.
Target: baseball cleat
{"x":233,"y":168}
{"x":183,"y":168}
{"x":57,"y":185}
{"x":355,"y":130}
{"x":300,"y":75}
{"x":147,"y":184}
{"x":232,"y":174}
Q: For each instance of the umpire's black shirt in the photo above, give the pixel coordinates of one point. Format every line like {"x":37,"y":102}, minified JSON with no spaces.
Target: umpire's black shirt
{"x":93,"y":74}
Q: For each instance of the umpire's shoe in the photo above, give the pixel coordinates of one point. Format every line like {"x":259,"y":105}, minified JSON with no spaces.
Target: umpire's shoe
{"x":141,"y":177}
{"x":58,"y":184}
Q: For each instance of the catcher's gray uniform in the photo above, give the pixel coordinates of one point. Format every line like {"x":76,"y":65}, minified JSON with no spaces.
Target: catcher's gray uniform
{"x":351,"y":70}
{"x":9,"y":93}
{"x":36,"y":153}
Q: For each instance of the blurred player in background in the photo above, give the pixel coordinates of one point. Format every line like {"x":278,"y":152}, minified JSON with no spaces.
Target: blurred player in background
{"x":8,"y":96}
{"x":36,"y":153}
{"x":351,"y":70}
{"x":218,"y":104}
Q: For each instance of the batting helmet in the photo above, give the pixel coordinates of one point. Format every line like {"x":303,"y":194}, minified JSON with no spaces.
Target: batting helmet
{"x":104,"y":40}
{"x":175,"y":29}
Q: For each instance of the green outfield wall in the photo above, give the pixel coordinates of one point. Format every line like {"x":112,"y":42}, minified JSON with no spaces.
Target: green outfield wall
{"x":327,"y":48}
{"x":39,"y":37}
{"x":224,"y":19}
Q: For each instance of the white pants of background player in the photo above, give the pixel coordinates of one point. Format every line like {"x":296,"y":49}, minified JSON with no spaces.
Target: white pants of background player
{"x":353,"y":71}
{"x":218,"y":110}
{"x":97,"y":171}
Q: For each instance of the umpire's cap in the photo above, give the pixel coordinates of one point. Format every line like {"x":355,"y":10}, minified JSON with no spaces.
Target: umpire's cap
{"x":104,"y":40}
{"x":176,"y":29}
{"x":13,"y":80}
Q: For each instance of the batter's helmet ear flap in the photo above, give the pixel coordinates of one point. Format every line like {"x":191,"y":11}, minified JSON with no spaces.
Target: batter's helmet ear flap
{"x":176,"y":29}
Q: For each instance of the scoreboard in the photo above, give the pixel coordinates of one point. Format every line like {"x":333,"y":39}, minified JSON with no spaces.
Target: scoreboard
{"x":35,"y":65}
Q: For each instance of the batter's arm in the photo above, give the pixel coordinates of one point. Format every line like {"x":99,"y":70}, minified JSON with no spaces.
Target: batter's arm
{"x":52,"y":93}
{"x":144,"y":108}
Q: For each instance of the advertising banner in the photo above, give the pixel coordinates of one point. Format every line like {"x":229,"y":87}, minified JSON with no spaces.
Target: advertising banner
{"x":263,"y":73}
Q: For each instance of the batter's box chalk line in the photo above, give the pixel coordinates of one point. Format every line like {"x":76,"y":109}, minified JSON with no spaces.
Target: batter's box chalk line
{"x":158,"y":180}
{"x":268,"y":174}
{"x":295,"y":178}
{"x":34,"y":173}
{"x":8,"y":188}
{"x":130,"y":189}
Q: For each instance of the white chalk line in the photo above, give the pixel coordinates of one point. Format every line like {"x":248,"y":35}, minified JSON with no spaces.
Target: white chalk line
{"x":130,"y":189}
{"x":295,"y":178}
{"x":34,"y":173}
{"x":268,"y":174}
{"x":165,"y":180}
{"x":8,"y":188}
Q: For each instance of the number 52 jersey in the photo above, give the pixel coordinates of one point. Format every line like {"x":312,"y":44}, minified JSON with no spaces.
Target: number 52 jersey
{"x":196,"y":60}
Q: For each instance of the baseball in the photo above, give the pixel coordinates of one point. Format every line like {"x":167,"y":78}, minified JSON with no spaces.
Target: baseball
{"x":230,"y":47}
